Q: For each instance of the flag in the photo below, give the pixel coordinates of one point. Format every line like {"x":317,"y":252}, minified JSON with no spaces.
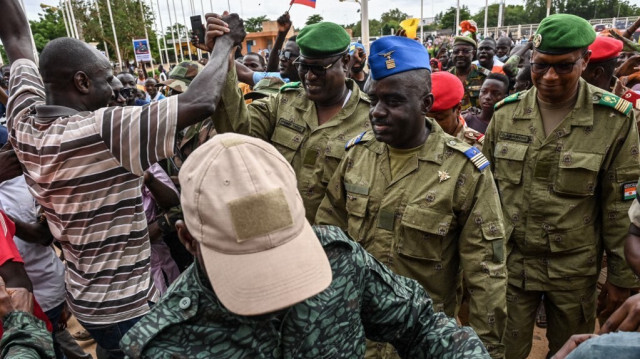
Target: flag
{"x":311,"y":3}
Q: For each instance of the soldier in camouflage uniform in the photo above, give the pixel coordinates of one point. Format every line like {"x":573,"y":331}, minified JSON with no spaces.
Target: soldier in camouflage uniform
{"x":268,"y":285}
{"x":310,"y":121}
{"x":420,"y":200}
{"x":564,"y":155}
{"x":471,"y":75}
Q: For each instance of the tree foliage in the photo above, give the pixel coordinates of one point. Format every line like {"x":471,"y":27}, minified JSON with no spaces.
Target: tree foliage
{"x":314,"y":19}
{"x":254,"y":24}
{"x":447,"y":19}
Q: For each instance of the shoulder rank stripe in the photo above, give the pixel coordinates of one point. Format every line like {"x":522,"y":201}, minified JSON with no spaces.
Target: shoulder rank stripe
{"x":509,"y":99}
{"x":354,"y":141}
{"x":290,"y":85}
{"x":619,"y":104}
{"x":477,"y":158}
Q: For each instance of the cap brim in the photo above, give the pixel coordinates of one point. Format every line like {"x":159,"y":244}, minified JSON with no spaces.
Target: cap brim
{"x":172,"y":83}
{"x":270,"y":280}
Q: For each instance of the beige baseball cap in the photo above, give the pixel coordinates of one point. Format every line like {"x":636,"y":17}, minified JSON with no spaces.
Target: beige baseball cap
{"x":241,"y":203}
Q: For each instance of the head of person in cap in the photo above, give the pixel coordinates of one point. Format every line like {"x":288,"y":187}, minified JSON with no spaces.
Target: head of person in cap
{"x":323,"y":61}
{"x":560,"y":55}
{"x":447,"y":92}
{"x":267,"y":284}
{"x":464,"y":50}
{"x":357,"y":64}
{"x":181,"y":76}
{"x":602,"y":64}
{"x":400,"y":91}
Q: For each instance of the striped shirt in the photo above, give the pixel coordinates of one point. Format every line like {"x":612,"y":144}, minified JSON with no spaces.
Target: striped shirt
{"x":85,"y":168}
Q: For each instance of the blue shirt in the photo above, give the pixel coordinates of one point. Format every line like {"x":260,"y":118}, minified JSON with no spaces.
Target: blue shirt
{"x":257,"y":76}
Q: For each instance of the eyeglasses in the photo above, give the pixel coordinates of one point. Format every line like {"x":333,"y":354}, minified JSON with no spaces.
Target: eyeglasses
{"x":318,"y":70}
{"x":286,"y":55}
{"x":461,"y":51}
{"x":561,"y":68}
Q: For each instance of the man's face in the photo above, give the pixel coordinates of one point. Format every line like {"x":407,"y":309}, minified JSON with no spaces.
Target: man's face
{"x":140,"y":73}
{"x":491,"y":92}
{"x":486,"y":51}
{"x":503,"y":47}
{"x":129,"y":87}
{"x":554,"y":87}
{"x":444,"y":58}
{"x":5,"y":76}
{"x":322,"y":79}
{"x":522,"y":80}
{"x":462,"y":56}
{"x":100,"y":91}
{"x":287,"y":56}
{"x":398,"y":110}
{"x":116,"y":97}
{"x":447,"y":119}
{"x":150,"y":87}
{"x":253,"y":62}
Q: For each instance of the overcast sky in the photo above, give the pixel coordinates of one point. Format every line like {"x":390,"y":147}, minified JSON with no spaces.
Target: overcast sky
{"x":330,"y":10}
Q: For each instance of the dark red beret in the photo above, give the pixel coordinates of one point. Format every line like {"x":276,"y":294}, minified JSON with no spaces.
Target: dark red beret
{"x":605,"y":48}
{"x":447,"y":90}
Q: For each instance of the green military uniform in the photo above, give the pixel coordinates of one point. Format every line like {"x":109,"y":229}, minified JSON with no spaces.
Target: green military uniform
{"x":472,"y":85}
{"x":25,"y":337}
{"x":364,"y":296}
{"x":565,"y":199}
{"x":439,"y":214}
{"x":289,"y":121}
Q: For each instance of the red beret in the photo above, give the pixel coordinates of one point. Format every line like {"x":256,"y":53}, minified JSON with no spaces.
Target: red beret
{"x":447,"y":90}
{"x":605,"y":48}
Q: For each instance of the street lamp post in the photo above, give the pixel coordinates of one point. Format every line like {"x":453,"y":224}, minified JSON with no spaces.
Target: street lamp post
{"x":115,"y":36}
{"x":146,"y":34}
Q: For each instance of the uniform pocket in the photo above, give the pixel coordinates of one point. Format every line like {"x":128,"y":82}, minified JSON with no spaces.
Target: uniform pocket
{"x":356,"y":206}
{"x":332,"y":156}
{"x":422,"y":232}
{"x":509,"y":161}
{"x":287,"y":141}
{"x":579,"y":253}
{"x":577,"y":174}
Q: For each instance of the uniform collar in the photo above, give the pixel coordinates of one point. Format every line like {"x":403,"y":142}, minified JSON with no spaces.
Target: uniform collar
{"x":432,"y":150}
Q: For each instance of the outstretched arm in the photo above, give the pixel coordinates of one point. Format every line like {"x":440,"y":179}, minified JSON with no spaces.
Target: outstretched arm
{"x":203,"y":95}
{"x":284,"y":25}
{"x":14,"y":31}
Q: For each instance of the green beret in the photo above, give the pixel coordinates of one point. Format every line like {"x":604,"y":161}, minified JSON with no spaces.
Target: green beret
{"x":323,"y":39}
{"x":464,"y":40}
{"x":562,"y":33}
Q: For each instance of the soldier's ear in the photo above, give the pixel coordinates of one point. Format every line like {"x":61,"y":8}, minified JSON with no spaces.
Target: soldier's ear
{"x":186,"y":239}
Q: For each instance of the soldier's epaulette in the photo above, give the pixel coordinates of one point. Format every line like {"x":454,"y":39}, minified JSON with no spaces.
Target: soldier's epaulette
{"x":610,"y":100}
{"x":358,"y":139}
{"x":472,"y":153}
{"x":509,"y":99}
{"x":290,"y":86}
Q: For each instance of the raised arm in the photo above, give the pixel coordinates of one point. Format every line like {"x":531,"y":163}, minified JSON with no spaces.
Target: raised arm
{"x":203,"y":95}
{"x":14,"y":31}
{"x":284,"y":25}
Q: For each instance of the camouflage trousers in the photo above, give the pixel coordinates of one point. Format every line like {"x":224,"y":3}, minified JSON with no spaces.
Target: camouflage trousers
{"x":568,"y":312}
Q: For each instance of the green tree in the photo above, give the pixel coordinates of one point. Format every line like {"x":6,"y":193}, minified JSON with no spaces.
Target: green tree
{"x":49,"y":26}
{"x":393,"y":15}
{"x":3,"y":53}
{"x":512,"y":15}
{"x":254,"y":24}
{"x":314,"y":19}
{"x":374,"y":28}
{"x":447,"y":20}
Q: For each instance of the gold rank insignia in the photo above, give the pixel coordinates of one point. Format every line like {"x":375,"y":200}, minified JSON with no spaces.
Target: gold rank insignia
{"x":391,"y":63}
{"x":443,"y":176}
{"x":537,"y":40}
{"x":609,"y":99}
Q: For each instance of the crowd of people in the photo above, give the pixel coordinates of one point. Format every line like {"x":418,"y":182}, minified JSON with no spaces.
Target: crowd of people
{"x":413,"y":200}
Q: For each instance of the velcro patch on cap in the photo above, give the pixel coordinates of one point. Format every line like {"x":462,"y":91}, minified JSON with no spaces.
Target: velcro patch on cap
{"x":260,"y":214}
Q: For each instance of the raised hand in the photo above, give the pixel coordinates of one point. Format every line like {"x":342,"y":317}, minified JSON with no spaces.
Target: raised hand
{"x":236,"y":28}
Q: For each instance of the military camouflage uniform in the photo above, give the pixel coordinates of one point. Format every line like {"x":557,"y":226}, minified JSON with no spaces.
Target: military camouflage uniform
{"x":565,"y":199}
{"x":364,"y":296}
{"x":289,"y":122}
{"x":25,"y":337}
{"x":441,"y":213}
{"x":472,"y":85}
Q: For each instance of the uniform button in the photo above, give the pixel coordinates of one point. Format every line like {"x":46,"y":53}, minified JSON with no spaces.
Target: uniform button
{"x":185,"y":303}
{"x":452,"y":142}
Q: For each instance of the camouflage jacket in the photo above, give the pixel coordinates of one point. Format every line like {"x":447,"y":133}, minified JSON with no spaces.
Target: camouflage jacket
{"x":565,"y":196}
{"x":440,"y":213}
{"x":472,"y":85}
{"x":289,"y":122}
{"x":25,"y":337}
{"x":364,"y":297}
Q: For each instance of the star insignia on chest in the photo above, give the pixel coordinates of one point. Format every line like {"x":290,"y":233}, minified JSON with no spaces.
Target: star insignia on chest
{"x":443,"y":176}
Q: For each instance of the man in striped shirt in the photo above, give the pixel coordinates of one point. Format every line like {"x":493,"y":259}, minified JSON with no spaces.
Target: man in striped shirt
{"x":84,"y":163}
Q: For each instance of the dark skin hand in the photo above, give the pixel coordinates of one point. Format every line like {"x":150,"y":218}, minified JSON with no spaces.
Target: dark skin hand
{"x":632,"y":251}
{"x":165,"y":197}
{"x":628,"y":67}
{"x":626,"y":318}
{"x":38,"y":232}
{"x":14,"y":299}
{"x":9,"y":163}
{"x":3,"y":96}
{"x":571,"y":344}
{"x":16,"y":275}
{"x":284,"y":25}
{"x":611,"y":298}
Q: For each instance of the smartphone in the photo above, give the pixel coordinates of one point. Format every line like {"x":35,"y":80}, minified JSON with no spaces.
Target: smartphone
{"x":197,"y":28}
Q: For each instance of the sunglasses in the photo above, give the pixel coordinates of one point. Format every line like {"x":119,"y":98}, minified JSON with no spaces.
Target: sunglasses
{"x":461,"y":51}
{"x":318,"y":70}
{"x":286,"y":55}
{"x":561,"y":68}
